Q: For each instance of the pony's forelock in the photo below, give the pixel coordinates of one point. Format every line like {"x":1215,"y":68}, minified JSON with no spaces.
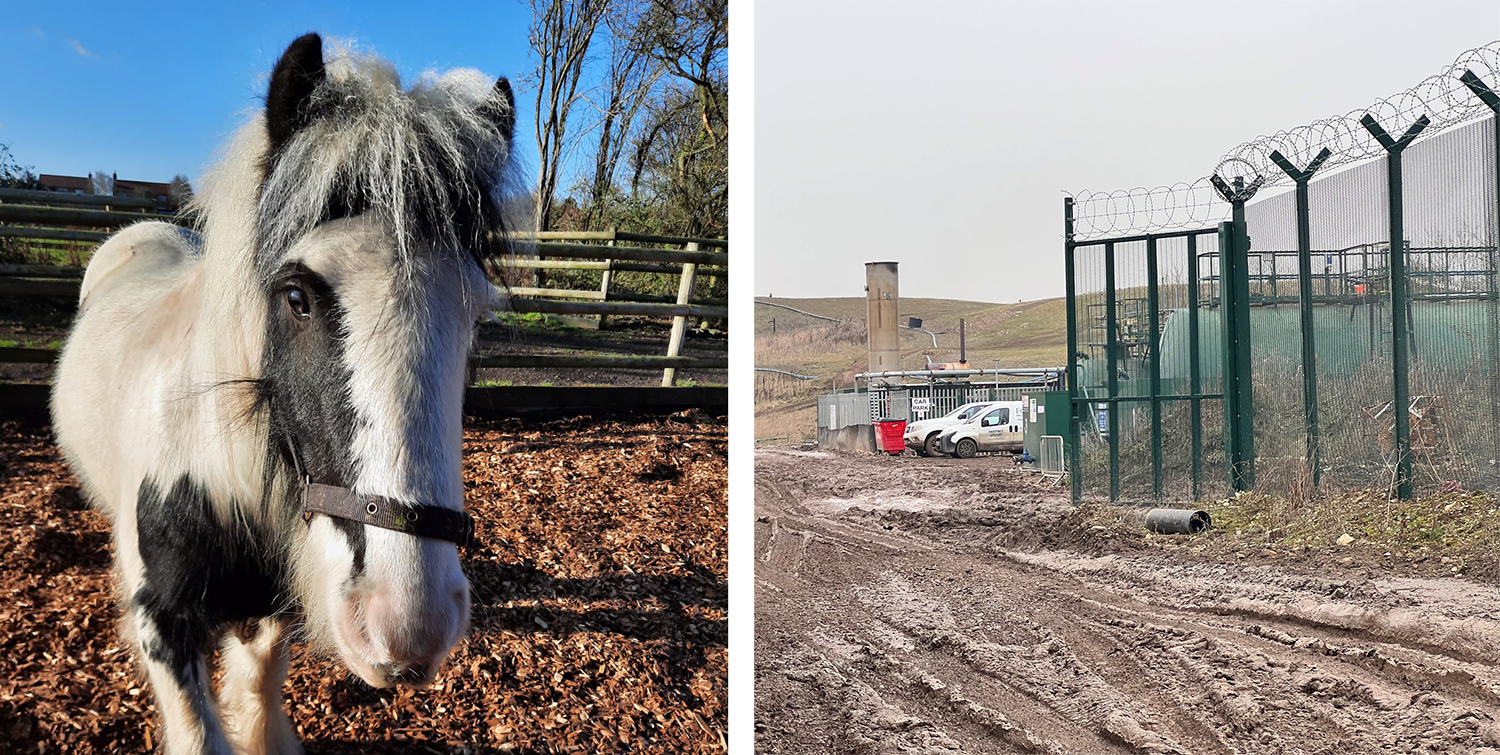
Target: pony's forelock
{"x":430,"y":159}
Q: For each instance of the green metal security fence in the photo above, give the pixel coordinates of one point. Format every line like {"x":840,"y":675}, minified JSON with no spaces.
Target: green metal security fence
{"x":1320,"y":311}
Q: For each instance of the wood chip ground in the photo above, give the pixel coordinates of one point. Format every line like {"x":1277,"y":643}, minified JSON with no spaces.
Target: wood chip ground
{"x":600,"y":619}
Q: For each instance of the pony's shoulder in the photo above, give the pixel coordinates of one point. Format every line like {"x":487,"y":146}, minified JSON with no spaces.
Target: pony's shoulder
{"x":149,"y":247}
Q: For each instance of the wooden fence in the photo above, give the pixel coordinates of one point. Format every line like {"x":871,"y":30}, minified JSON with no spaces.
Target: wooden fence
{"x":27,"y":215}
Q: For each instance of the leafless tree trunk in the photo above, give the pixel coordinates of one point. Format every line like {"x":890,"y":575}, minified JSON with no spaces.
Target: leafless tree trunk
{"x":683,"y":151}
{"x":632,"y":75}
{"x":561,"y":31}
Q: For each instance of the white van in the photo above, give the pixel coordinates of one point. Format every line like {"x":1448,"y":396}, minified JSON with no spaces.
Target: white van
{"x":922,"y":435}
{"x":997,"y":429}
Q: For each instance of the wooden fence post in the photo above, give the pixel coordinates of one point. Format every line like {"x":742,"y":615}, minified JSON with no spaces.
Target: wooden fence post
{"x":679,"y":324}
{"x":607,"y":283}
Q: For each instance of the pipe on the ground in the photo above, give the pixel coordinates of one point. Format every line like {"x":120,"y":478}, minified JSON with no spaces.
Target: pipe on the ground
{"x":1178,"y":521}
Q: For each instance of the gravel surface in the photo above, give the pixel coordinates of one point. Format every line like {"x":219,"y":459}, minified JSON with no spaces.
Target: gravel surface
{"x":598,"y":583}
{"x":944,"y":605}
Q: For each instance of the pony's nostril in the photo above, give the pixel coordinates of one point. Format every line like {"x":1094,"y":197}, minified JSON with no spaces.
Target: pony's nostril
{"x":404,"y":673}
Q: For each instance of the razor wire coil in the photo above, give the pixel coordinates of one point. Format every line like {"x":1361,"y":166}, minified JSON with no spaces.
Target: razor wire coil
{"x":1443,"y":98}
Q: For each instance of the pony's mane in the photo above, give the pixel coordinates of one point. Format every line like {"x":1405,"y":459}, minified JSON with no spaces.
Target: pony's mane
{"x":431,"y":159}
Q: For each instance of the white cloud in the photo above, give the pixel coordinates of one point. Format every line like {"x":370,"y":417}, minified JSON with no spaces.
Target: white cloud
{"x":80,"y":49}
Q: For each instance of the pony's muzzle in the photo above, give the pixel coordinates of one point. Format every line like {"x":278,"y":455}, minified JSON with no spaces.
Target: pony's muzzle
{"x":393,"y":641}
{"x":411,"y":674}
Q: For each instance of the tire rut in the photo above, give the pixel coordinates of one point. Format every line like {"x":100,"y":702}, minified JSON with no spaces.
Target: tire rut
{"x":919,"y":645}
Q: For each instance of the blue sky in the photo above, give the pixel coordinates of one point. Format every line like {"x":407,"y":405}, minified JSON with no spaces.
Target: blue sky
{"x":152,"y":91}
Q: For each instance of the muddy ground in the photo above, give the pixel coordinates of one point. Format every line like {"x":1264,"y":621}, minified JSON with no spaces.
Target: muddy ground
{"x":598,"y":581}
{"x":944,"y":605}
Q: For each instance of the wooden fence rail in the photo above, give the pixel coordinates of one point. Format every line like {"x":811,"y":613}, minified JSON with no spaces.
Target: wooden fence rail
{"x":57,"y":197}
{"x":636,"y":254}
{"x":642,"y":238}
{"x":21,"y":213}
{"x":36,"y":355}
{"x":53,"y":234}
{"x":553,"y":250}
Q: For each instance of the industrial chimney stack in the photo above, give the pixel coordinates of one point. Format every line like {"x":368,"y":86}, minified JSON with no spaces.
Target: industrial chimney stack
{"x":882,"y":305}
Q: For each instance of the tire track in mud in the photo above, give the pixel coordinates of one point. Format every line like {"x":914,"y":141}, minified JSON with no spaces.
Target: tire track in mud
{"x":874,"y":637}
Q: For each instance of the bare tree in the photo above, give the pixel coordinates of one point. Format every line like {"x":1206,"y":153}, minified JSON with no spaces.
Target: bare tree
{"x":681,"y":155}
{"x":102,"y":183}
{"x":180,"y":190}
{"x":690,"y":38}
{"x":561,"y":33}
{"x":13,"y":175}
{"x":632,"y":75}
{"x":679,"y":169}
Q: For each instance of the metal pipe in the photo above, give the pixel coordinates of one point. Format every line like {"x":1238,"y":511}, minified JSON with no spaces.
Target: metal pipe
{"x":1010,"y":371}
{"x":788,"y":374}
{"x":794,"y":309}
{"x":1178,"y":521}
{"x":924,"y":330}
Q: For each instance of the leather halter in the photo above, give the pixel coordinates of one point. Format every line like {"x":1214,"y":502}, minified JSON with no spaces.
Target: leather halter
{"x":420,"y":519}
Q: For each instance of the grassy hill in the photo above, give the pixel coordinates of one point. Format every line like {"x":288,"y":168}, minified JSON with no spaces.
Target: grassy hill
{"x":1026,"y":334}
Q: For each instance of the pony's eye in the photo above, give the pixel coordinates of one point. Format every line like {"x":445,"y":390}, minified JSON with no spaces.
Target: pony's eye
{"x":296,"y":299}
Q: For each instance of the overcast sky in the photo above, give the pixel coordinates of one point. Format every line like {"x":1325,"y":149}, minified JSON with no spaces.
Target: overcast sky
{"x":943,"y":135}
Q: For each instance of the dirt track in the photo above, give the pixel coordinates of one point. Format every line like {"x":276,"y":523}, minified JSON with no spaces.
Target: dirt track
{"x":921,"y":610}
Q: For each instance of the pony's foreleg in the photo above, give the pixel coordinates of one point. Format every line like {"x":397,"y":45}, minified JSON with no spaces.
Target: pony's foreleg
{"x":255,"y":664}
{"x":180,"y":683}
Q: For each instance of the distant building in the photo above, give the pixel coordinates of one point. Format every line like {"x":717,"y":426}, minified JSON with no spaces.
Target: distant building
{"x":161,"y":192}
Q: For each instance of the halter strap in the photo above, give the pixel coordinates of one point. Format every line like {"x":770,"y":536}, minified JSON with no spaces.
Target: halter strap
{"x":420,"y":519}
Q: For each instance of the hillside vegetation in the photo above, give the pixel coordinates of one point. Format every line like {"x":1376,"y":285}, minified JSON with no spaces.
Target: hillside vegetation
{"x":1025,"y":334}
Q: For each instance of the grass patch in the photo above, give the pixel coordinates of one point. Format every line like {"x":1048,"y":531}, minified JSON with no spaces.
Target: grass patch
{"x":1456,"y":522}
{"x":1460,"y":528}
{"x":531,"y":321}
{"x":6,"y":343}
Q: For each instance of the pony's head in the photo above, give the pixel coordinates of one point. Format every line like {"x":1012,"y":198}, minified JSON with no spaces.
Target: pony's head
{"x":370,"y":216}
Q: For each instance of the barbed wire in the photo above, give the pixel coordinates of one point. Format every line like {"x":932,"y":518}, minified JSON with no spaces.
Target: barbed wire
{"x":1443,"y":98}
{"x":1141,"y":210}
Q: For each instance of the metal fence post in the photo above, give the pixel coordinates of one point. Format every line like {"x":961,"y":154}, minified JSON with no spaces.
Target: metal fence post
{"x":1401,"y":403}
{"x":1234,"y":300}
{"x":1305,"y":293}
{"x":1195,"y":378}
{"x":1112,"y":380}
{"x":679,"y":323}
{"x":1075,"y":469}
{"x":1488,"y":96}
{"x":1153,"y":352}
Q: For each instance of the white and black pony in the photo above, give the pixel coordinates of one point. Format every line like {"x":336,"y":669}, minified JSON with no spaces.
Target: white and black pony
{"x":270,"y":410}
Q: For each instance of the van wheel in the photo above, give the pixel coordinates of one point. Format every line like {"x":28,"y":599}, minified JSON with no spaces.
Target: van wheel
{"x":929,"y":446}
{"x":967,"y":449}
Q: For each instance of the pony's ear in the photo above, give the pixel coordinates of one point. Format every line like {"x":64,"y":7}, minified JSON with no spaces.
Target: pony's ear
{"x":501,"y":108}
{"x":297,"y":74}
